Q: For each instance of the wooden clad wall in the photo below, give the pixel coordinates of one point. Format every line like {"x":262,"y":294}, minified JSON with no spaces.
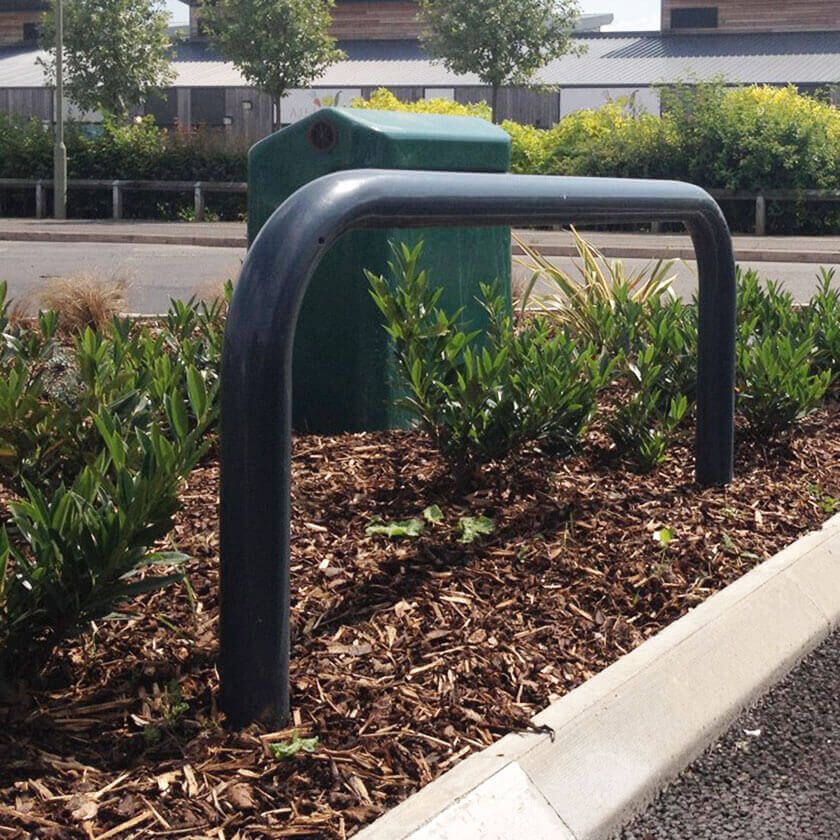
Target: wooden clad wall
{"x":762,"y":15}
{"x":27,"y":102}
{"x":531,"y":107}
{"x":254,"y":123}
{"x":11,"y":26}
{"x":374,"y":20}
{"x":355,"y":20}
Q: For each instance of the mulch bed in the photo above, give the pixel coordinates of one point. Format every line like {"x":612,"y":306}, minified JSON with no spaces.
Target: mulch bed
{"x":407,"y":655}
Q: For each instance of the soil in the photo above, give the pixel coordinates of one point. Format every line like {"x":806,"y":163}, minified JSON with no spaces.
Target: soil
{"x":407,"y":654}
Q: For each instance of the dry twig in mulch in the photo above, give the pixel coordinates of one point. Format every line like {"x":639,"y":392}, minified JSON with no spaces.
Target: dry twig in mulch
{"x":407,"y":655}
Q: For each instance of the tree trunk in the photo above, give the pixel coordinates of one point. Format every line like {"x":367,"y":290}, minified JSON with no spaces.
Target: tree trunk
{"x":494,"y":103}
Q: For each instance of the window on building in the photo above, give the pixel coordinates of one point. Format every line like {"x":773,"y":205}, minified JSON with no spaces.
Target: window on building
{"x":163,"y":107}
{"x":705,"y":17}
{"x":30,"y":33}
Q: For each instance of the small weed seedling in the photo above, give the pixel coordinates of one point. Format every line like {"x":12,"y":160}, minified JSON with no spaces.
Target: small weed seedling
{"x":826,"y":503}
{"x":287,"y":749}
{"x":471,"y":527}
{"x":397,"y":529}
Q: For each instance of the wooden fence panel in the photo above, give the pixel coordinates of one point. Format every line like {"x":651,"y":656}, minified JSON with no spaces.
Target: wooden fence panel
{"x":29,"y":102}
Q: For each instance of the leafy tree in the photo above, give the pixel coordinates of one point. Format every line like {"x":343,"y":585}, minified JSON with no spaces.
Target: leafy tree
{"x":503,"y":42}
{"x":277,"y":45}
{"x":115,"y":52}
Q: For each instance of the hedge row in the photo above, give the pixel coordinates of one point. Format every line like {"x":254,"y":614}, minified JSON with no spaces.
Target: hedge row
{"x":140,"y":151}
{"x":749,"y":139}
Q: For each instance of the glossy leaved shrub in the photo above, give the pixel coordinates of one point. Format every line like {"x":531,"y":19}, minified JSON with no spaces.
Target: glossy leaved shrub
{"x":97,"y":431}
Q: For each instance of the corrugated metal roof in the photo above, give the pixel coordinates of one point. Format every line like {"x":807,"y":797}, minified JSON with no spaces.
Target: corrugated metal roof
{"x":611,"y":60}
{"x":634,"y":59}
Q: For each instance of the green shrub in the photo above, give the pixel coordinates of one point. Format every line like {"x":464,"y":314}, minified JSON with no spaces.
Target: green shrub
{"x":775,"y":381}
{"x":95,"y":437}
{"x":754,"y":138}
{"x":383,"y":100}
{"x":556,"y":380}
{"x":642,"y":424}
{"x":139,"y":151}
{"x":660,"y":371}
{"x":823,"y":318}
{"x":750,"y":138}
{"x":784,"y":353}
{"x":76,"y":553}
{"x":765,"y":308}
{"x":481,"y":397}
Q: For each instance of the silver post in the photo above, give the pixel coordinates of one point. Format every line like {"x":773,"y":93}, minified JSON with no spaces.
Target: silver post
{"x":198,"y":194}
{"x":60,"y":150}
{"x":760,"y":216}
{"x":116,"y":200}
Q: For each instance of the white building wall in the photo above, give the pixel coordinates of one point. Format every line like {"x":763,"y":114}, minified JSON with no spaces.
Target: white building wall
{"x":587,"y":99}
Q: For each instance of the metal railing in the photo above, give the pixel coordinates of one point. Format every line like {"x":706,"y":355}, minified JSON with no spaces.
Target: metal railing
{"x":118,"y":188}
{"x":201,"y":188}
{"x":761,"y":199}
{"x":257,"y":367}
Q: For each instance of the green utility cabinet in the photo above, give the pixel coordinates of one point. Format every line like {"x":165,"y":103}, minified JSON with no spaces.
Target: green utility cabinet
{"x":344,"y":375}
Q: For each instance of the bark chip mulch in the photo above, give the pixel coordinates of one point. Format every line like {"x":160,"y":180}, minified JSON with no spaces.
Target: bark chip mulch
{"x":408,"y":655}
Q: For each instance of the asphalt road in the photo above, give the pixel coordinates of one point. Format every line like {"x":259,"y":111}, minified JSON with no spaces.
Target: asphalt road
{"x":153,"y":273}
{"x":798,"y":278}
{"x":774,"y":775}
{"x":157,"y":272}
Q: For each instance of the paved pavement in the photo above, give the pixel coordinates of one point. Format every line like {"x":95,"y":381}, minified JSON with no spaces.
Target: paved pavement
{"x":218,"y":234}
{"x":162,"y":259}
{"x":775,"y":774}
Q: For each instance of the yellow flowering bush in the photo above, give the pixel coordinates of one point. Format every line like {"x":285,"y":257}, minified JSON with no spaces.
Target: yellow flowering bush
{"x":383,"y":100}
{"x":748,"y":138}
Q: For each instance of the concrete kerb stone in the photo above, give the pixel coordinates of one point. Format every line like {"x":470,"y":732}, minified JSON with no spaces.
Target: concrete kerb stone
{"x":643,"y":251}
{"x":670,"y":252}
{"x":618,"y":738}
{"x":125,"y":238}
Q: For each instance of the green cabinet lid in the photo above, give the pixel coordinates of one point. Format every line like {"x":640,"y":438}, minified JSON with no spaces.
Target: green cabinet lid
{"x":333,"y":139}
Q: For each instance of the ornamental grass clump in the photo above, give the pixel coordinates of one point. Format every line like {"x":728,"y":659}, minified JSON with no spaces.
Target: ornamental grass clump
{"x":605,"y":305}
{"x":96,"y":436}
{"x":85,"y":300}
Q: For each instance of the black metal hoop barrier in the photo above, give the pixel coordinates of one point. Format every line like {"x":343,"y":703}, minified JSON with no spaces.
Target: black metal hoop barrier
{"x":256,"y":366}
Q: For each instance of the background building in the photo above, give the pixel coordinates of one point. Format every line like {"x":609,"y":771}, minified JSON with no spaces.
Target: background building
{"x":701,"y":40}
{"x":379,"y":20}
{"x":703,"y":16}
{"x":19,"y":21}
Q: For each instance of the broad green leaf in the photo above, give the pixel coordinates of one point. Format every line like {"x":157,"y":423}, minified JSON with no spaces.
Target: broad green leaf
{"x":474,"y":526}
{"x":178,"y":415}
{"x":197,"y":392}
{"x":286,"y":749}
{"x":433,"y":514}
{"x":398,"y":528}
